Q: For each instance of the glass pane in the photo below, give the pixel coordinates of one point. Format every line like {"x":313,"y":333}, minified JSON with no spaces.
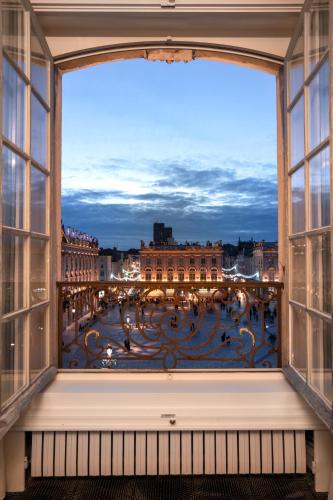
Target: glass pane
{"x":38,"y":347}
{"x":13,"y":31}
{"x":296,"y":68}
{"x":299,"y":342}
{"x":319,"y":106}
{"x":39,"y":66}
{"x":298,"y":270}
{"x":320,"y":189}
{"x":13,"y":109}
{"x":321,"y":369}
{"x":38,"y":271}
{"x":320,"y":291}
{"x":12,"y":272}
{"x":297,"y":132}
{"x":298,"y":200}
{"x":13,"y":181}
{"x":38,"y":201}
{"x":12,"y":360}
{"x":318,"y":30}
{"x":38,"y":131}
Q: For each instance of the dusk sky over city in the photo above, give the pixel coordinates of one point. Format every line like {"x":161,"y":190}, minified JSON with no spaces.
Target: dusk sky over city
{"x":186,"y":144}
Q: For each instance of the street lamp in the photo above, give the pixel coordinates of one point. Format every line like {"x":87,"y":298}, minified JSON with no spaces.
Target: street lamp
{"x":109,"y":362}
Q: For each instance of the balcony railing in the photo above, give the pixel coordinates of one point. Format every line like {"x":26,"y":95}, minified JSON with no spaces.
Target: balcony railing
{"x":167,"y":325}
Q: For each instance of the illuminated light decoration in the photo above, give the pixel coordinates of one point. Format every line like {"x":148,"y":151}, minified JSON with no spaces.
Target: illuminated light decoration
{"x":238,"y":274}
{"x":233,"y":268}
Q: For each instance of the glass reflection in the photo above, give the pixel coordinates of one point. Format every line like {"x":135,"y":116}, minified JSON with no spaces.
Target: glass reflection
{"x":38,"y":346}
{"x":13,"y":109}
{"x":12,"y":359}
{"x":38,"y":201}
{"x":298,"y":200}
{"x":321,"y":369}
{"x":13,"y":31}
{"x":320,"y":193}
{"x":297,"y":132}
{"x":299,"y":339}
{"x":39,"y":67}
{"x":12,"y":272}
{"x":13,"y":183}
{"x":38,"y":131}
{"x":320,"y":291}
{"x":38,"y":271}
{"x":296,"y":68}
{"x":319,"y":106}
{"x":298,"y":270}
{"x":319,"y":31}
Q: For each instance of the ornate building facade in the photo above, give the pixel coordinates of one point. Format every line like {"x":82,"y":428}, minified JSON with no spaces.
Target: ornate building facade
{"x":192,"y":262}
{"x":79,"y":256}
{"x":266,"y":260}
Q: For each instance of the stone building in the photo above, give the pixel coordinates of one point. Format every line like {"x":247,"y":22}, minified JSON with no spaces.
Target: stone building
{"x":265,"y":257}
{"x":189,"y":262}
{"x":79,"y":256}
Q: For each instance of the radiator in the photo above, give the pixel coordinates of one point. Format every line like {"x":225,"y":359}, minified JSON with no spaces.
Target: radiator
{"x":166,"y":453}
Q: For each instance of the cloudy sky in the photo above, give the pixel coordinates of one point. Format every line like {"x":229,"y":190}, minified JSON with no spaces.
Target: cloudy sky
{"x":192,"y":145}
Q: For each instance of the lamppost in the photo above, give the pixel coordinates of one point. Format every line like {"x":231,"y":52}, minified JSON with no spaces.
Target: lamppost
{"x":109,"y":362}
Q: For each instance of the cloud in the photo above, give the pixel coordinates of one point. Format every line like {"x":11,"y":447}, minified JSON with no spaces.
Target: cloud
{"x":199,"y":203}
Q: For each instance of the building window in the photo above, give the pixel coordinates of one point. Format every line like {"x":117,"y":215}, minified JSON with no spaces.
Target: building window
{"x":159,"y":274}
{"x":192,"y":262}
{"x":214,"y":262}
{"x":170,"y":274}
{"x":181,"y":276}
{"x":203,"y":260}
{"x":213,"y":275}
{"x":181,"y":261}
{"x":192,"y":275}
{"x":202,"y":274}
{"x":170,"y":261}
{"x":159,"y":261}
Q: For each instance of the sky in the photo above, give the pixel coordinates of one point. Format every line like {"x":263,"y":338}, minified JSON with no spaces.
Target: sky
{"x":191,"y":145}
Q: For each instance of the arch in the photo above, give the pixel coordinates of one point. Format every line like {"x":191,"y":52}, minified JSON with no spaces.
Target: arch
{"x":170,"y":51}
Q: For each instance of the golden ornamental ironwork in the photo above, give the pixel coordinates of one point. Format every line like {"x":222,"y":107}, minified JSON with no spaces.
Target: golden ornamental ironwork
{"x":153,"y":325}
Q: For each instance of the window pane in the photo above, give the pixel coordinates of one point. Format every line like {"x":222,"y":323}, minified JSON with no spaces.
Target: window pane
{"x":38,"y":200}
{"x":320,"y":189}
{"x":320,"y":291}
{"x":12,"y":272}
{"x":13,"y":180}
{"x":38,"y":271}
{"x":38,"y":336}
{"x":13,"y":31}
{"x":298,"y":270}
{"x":38,"y":131}
{"x":13,"y":110}
{"x":318,"y":30}
{"x":319,"y":106}
{"x":296,"y":68}
{"x":298,"y":200}
{"x":321,"y":369}
{"x":12,"y":360}
{"x":299,"y":342}
{"x":39,"y":66}
{"x":297,"y":132}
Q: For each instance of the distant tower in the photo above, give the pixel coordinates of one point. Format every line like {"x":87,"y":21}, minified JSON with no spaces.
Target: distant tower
{"x":161,"y":234}
{"x":158,"y":232}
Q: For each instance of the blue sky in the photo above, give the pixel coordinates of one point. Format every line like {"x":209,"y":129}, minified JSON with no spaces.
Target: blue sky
{"x":192,"y":145}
